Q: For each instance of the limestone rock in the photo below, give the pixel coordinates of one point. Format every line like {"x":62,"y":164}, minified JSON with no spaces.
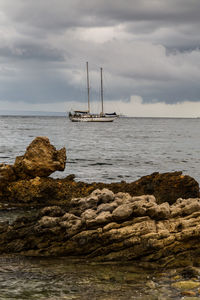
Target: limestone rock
{"x":122,"y":212}
{"x":105,"y":196}
{"x":103,"y":217}
{"x":40,"y":159}
{"x":139,"y":230}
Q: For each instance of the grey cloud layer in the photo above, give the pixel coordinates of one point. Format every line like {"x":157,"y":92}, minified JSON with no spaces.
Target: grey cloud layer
{"x":152,"y":50}
{"x":62,"y":13}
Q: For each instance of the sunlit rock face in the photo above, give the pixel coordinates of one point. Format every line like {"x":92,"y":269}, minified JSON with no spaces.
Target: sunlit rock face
{"x":40,"y":159}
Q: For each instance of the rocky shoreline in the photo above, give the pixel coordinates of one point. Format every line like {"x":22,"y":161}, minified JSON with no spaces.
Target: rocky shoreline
{"x":154,"y":220}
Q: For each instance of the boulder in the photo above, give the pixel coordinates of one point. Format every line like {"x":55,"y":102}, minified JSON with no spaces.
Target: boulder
{"x":40,"y":159}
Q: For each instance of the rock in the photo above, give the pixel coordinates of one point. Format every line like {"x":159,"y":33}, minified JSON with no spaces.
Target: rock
{"x":105,"y":196}
{"x":103,"y":217}
{"x":191,"y":207}
{"x":48,"y":221}
{"x":124,"y":198}
{"x":186,"y":285}
{"x":88,"y":214}
{"x":49,"y":191}
{"x":189,"y":293}
{"x":123,"y":211}
{"x":40,"y":159}
{"x":27,"y":183}
{"x":110,"y":231}
{"x":71,"y":223}
{"x":52,"y":211}
{"x":151,"y":284}
{"x":166,"y":187}
{"x":106,"y":207}
{"x":163,"y":212}
{"x":7,"y":173}
{"x":190,"y":272}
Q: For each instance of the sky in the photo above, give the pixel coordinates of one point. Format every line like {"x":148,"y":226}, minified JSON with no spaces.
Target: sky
{"x":149,"y":51}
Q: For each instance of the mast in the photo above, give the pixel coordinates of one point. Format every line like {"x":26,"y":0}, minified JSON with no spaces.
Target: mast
{"x":101,"y":92}
{"x":88,"y":87}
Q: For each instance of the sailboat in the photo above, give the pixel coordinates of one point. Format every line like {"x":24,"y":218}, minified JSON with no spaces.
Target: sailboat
{"x":87,"y":116}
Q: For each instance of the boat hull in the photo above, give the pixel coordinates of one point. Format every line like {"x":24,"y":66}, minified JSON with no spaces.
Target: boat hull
{"x":92,"y":119}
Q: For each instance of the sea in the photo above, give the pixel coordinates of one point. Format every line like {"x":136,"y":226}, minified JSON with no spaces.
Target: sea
{"x":124,"y":150}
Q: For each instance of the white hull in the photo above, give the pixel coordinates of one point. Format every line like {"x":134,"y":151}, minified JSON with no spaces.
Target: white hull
{"x":92,"y":119}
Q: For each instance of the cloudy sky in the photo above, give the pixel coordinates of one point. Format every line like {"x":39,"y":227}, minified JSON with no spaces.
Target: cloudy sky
{"x":149,"y":50}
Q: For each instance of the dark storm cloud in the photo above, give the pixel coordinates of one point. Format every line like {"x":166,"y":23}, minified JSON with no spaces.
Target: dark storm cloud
{"x":60,"y":14}
{"x":149,"y":48}
{"x":39,"y":87}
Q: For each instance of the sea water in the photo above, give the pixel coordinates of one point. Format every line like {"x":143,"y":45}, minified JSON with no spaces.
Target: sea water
{"x":123,"y":150}
{"x":126,"y":149}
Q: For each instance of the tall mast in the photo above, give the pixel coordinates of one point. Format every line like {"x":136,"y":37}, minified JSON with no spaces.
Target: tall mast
{"x":88,"y":87}
{"x":101,"y":92}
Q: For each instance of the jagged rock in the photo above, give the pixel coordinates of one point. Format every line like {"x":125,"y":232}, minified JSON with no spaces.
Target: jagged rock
{"x":49,"y":191}
{"x":40,"y":159}
{"x":166,"y":187}
{"x":148,"y":236}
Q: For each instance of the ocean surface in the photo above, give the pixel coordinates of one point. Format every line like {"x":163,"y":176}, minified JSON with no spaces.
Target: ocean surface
{"x":123,"y":150}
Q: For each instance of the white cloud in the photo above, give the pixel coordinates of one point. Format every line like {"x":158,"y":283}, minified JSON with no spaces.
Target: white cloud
{"x":137,"y":108}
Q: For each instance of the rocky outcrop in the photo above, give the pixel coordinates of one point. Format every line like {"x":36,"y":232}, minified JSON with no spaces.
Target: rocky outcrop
{"x":42,"y":191}
{"x":27,"y":182}
{"x":40,"y":159}
{"x":166,"y":187}
{"x":108,"y":226}
{"x":152,"y":220}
